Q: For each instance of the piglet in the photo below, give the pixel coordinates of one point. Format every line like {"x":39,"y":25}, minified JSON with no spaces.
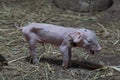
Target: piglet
{"x":64,"y":37}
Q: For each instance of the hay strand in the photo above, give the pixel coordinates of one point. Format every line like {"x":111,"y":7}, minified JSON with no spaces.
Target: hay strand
{"x":106,"y":32}
{"x":118,"y":38}
{"x":23,"y":57}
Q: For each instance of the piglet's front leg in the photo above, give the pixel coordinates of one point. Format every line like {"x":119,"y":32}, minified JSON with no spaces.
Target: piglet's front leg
{"x":66,"y":55}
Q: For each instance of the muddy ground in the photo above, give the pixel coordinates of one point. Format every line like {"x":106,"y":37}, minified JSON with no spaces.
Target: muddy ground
{"x":14,"y":47}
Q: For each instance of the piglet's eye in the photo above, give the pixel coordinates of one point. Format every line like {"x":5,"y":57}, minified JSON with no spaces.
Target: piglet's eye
{"x":89,"y":41}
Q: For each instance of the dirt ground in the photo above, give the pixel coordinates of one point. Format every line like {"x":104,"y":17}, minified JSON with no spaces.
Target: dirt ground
{"x":14,"y":47}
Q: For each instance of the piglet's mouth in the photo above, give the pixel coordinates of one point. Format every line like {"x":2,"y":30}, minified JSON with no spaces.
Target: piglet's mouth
{"x":92,"y":52}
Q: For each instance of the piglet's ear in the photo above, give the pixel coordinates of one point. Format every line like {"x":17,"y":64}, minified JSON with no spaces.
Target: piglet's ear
{"x":76,"y":37}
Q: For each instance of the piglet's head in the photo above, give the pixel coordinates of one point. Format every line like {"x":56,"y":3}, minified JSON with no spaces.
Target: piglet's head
{"x":90,"y":42}
{"x":87,"y":39}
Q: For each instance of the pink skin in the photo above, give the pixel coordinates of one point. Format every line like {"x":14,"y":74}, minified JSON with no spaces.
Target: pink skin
{"x":64,"y":37}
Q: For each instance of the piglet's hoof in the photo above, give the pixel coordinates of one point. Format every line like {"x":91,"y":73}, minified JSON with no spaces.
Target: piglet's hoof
{"x":64,"y":67}
{"x":36,"y":61}
{"x":32,"y":60}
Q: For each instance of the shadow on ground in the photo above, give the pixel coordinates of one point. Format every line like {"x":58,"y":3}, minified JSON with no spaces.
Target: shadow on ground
{"x":74,"y":63}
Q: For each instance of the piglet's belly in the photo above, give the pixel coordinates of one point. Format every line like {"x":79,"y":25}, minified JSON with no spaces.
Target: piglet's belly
{"x":55,"y":40}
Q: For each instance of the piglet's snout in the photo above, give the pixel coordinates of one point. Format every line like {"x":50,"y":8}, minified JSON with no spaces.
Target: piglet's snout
{"x":95,"y":51}
{"x":99,"y":49}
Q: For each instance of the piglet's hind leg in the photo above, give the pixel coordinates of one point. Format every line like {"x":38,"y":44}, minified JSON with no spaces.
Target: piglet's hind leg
{"x":32,"y":46}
